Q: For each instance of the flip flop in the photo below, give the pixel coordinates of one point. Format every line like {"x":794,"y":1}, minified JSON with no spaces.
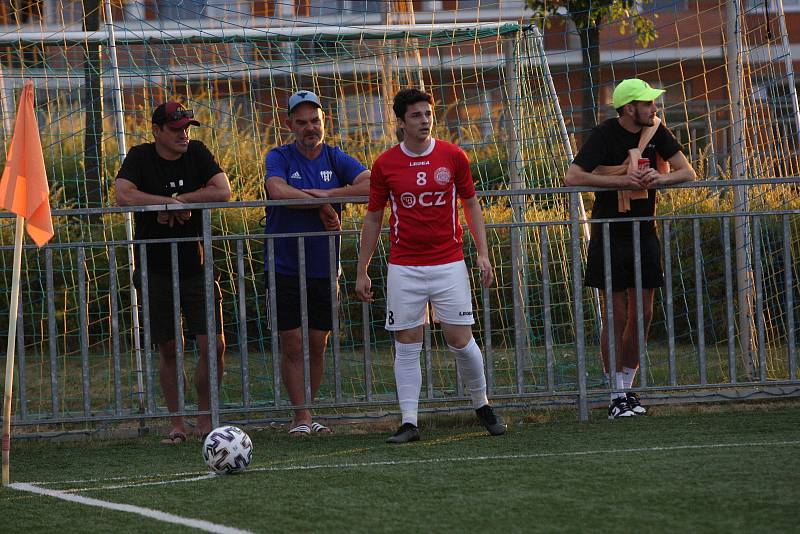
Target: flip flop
{"x":318,"y":428}
{"x":300,"y":431}
{"x":174,"y":438}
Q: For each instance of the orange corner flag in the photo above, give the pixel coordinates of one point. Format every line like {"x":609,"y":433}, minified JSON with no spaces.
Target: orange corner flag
{"x":23,"y":187}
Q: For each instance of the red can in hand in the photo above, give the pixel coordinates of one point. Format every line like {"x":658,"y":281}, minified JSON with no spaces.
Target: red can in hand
{"x":644,"y":164}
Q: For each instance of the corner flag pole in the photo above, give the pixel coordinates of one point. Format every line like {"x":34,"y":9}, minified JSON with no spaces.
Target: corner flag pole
{"x":11,"y":347}
{"x":23,"y":190}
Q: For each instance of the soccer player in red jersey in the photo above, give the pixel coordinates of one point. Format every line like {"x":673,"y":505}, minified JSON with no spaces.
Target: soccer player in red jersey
{"x":422,"y":178}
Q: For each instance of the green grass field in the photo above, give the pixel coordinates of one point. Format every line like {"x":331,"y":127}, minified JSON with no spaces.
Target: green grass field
{"x":726,"y":468}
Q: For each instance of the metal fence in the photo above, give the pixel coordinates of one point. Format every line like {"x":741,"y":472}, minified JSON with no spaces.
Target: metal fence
{"x":84,"y":354}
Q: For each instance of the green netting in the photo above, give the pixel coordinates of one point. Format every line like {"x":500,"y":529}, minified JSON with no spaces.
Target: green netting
{"x":514,"y":109}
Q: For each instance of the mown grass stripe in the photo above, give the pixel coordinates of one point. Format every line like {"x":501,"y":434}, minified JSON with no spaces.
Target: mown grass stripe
{"x":173,"y":478}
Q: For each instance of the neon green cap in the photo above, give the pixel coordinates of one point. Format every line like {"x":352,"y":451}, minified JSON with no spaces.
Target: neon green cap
{"x":634,"y":89}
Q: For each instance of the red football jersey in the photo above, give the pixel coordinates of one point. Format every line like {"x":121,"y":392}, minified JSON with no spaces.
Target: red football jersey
{"x":422,"y":191}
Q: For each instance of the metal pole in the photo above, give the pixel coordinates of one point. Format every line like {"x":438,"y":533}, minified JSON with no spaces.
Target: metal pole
{"x":119,"y":121}
{"x":577,"y":290}
{"x":519,"y":261}
{"x":211,"y":321}
{"x":562,"y":128}
{"x":388,"y":68}
{"x":742,"y":232}
{"x":6,"y":105}
{"x":787,"y":59}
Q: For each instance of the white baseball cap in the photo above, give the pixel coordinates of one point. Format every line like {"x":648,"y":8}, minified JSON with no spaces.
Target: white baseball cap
{"x":301,"y":97}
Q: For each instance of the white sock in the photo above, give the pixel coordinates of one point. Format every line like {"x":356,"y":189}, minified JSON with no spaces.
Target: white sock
{"x":628,"y":374}
{"x":620,"y":382}
{"x":470,"y":365}
{"x":408,"y":377}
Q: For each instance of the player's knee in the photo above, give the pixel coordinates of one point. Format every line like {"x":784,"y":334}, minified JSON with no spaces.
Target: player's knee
{"x":458,"y":336}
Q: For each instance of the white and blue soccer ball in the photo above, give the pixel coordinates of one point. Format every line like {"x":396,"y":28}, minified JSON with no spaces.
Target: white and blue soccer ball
{"x":227,"y":449}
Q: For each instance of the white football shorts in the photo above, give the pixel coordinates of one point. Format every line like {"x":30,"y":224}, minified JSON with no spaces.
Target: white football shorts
{"x":410,"y":288}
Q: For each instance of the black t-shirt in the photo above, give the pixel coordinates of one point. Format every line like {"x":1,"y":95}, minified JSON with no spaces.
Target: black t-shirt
{"x":155,"y":175}
{"x":608,"y":144}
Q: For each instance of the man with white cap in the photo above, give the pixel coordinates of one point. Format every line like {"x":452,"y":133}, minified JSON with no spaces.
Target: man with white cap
{"x":306,"y":168}
{"x":632,"y":154}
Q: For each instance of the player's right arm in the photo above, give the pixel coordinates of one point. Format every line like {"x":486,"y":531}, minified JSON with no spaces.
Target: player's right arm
{"x":370,"y":233}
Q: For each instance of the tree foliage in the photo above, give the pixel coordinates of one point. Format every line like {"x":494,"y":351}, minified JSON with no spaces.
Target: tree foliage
{"x":592,"y":13}
{"x":588,"y":16}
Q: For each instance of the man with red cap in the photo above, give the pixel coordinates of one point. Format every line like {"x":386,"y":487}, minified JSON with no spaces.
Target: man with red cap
{"x":175,"y":170}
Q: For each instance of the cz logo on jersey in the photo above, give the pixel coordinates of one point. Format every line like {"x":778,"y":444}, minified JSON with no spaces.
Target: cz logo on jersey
{"x":326,"y":175}
{"x":426,"y":199}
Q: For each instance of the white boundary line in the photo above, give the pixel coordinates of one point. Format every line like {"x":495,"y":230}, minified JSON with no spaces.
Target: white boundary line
{"x":142,"y":484}
{"x":523,"y":456}
{"x":146,"y":512}
{"x":111,"y":479}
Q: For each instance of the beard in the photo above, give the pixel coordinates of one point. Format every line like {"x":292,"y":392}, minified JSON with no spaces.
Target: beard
{"x":642,"y":121}
{"x":310,"y":143}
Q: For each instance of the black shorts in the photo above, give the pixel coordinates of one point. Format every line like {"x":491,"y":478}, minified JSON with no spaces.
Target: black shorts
{"x":622,"y":266}
{"x":318,"y":302}
{"x":192,"y":305}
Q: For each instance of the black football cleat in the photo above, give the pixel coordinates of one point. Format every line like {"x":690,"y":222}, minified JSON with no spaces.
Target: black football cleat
{"x":405,"y":434}
{"x":493,"y":423}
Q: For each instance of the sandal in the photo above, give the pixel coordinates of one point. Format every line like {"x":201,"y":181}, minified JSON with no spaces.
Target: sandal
{"x":300,"y":431}
{"x":318,"y":428}
{"x":174,"y":438}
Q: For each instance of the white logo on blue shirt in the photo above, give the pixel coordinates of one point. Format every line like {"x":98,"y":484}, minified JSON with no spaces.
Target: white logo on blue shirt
{"x":296,"y":176}
{"x":326,"y":175}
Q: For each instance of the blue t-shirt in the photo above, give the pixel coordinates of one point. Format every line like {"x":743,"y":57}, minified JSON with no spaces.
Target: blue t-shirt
{"x":331,"y":169}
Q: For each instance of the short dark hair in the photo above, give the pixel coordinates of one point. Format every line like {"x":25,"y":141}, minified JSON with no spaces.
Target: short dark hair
{"x":407,"y":97}
{"x":621,"y":109}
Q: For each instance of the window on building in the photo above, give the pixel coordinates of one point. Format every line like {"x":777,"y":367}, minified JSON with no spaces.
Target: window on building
{"x":322,"y":8}
{"x":263,"y":8}
{"x":22,"y":13}
{"x":669,"y":5}
{"x":176,"y":10}
{"x":471,"y":4}
{"x":758,"y":5}
{"x":13,"y":12}
{"x":360,"y":114}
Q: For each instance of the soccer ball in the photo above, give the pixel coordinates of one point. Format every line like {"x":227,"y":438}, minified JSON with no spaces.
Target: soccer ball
{"x":227,"y":449}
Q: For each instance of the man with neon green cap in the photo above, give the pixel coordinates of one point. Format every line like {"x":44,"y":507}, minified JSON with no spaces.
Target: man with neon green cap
{"x":631,"y":155}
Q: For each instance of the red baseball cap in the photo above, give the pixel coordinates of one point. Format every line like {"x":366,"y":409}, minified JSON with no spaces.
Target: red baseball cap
{"x":174,"y":115}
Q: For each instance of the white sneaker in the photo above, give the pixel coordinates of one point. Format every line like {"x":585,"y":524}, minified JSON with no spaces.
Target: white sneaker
{"x":634,"y":404}
{"x":619,"y":408}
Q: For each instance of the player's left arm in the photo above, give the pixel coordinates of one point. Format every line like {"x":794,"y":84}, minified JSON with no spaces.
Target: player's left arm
{"x":359,"y":188}
{"x":217,"y":189}
{"x":680,"y":171}
{"x":477,"y":227}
